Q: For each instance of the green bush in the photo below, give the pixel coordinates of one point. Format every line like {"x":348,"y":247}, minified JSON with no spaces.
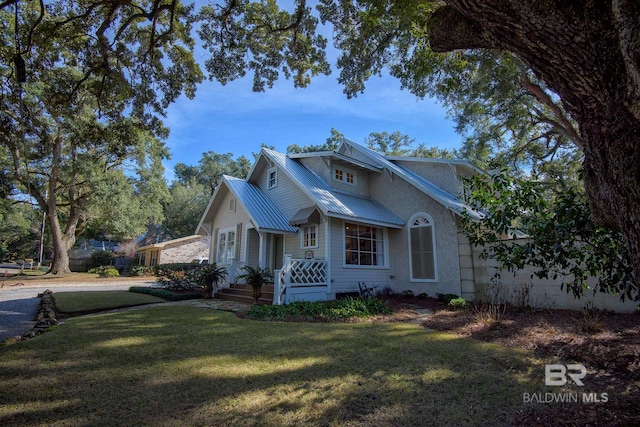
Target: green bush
{"x":180,"y":275}
{"x":141,"y":270}
{"x":446,"y":298}
{"x":165,"y":294}
{"x":100,"y":258}
{"x":458,"y":303}
{"x":105,"y":271}
{"x":309,"y":310}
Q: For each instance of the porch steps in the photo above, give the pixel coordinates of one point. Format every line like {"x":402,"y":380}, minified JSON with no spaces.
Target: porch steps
{"x":243,"y":293}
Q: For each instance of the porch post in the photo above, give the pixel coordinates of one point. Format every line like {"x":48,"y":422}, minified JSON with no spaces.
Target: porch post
{"x":262,"y":252}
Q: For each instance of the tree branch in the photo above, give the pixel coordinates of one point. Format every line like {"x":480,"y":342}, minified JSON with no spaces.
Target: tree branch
{"x":450,"y":30}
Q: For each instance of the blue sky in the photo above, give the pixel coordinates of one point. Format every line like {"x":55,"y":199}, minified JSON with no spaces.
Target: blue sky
{"x":234,"y":119}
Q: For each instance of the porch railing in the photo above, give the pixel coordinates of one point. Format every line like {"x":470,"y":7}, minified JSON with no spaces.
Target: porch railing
{"x":298,"y":273}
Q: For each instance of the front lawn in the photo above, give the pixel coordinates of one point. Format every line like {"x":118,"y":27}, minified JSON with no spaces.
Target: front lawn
{"x":88,"y":302}
{"x":182,"y":365}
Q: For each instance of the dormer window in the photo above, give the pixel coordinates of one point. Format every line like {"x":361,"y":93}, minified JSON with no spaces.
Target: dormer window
{"x":272,"y":178}
{"x":344,"y":175}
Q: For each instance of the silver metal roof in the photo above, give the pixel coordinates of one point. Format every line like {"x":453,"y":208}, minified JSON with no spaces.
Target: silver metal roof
{"x":264,"y":214}
{"x":331,"y":202}
{"x":447,"y":199}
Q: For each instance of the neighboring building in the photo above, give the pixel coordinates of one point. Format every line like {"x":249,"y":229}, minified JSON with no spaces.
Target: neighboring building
{"x":327,"y":221}
{"x":184,"y":249}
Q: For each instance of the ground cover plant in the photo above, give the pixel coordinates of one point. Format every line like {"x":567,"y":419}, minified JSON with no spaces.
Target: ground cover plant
{"x":185,"y":365}
{"x":319,"y":310}
{"x":89,"y":302}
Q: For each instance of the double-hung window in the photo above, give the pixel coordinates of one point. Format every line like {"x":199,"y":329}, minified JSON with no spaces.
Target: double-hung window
{"x":226,"y":247}
{"x":309,"y":236}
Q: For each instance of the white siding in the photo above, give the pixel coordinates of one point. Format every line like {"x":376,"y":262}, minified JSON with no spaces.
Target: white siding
{"x":345,"y":279}
{"x":226,"y":218}
{"x":286,"y":196}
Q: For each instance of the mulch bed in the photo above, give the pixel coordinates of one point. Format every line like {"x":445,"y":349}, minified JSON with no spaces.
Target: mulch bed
{"x":607,"y":344}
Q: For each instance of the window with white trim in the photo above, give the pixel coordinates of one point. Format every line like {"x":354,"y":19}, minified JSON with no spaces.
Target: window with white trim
{"x":226,"y":248}
{"x":272,"y":178}
{"x":364,"y":245}
{"x":422,"y":244}
{"x":309,"y":236}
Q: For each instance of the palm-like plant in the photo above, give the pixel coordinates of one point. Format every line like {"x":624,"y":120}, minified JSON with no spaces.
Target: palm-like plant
{"x":212,"y":275}
{"x":256,"y":277}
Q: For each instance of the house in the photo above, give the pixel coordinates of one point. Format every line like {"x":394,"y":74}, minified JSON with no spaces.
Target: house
{"x":184,"y":249}
{"x":325,"y":221}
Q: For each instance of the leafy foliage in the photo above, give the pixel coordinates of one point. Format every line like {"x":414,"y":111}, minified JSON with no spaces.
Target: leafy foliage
{"x":105,"y":271}
{"x":560,"y":238}
{"x":180,"y":275}
{"x":141,"y":270}
{"x":308,"y":310}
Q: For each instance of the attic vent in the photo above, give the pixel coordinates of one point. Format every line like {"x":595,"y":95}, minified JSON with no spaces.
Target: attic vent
{"x":232,"y":205}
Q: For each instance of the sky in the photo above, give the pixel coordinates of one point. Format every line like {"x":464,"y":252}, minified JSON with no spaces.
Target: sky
{"x":233,"y":119}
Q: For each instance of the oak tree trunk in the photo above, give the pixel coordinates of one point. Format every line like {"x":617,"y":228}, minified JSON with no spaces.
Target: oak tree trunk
{"x":589,"y":54}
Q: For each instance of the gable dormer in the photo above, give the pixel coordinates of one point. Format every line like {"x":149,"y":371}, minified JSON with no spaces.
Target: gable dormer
{"x":340,"y":172}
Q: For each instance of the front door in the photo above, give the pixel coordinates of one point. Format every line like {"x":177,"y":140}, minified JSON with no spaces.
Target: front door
{"x":277,"y":252}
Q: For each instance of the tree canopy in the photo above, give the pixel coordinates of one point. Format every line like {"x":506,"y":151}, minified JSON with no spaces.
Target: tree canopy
{"x":82,"y":125}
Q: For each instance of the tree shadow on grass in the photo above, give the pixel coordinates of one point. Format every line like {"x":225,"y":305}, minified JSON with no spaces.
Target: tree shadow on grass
{"x":190,"y":366}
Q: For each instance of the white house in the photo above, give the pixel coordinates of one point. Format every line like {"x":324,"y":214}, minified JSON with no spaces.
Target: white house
{"x":326,"y":221}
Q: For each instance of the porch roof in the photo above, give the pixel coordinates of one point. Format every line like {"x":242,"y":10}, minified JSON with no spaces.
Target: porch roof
{"x":264,"y":214}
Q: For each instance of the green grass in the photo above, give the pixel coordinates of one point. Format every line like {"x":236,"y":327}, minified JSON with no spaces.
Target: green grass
{"x":182,"y":365}
{"x":84,"y":302}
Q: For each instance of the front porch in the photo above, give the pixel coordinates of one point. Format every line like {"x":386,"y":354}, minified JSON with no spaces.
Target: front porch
{"x":297,"y":280}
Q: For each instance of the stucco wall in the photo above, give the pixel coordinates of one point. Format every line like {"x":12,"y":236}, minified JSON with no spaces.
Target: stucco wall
{"x":544,"y":293}
{"x":405,"y":200}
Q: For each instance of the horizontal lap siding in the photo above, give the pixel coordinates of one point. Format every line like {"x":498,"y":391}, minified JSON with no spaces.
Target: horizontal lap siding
{"x":345,"y":279}
{"x":226,"y":218}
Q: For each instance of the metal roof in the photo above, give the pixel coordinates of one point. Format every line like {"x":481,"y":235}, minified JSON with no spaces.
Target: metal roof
{"x":331,"y":202}
{"x":447,"y":199}
{"x":264,"y":214}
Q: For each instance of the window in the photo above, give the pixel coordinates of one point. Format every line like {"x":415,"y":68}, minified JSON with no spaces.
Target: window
{"x":310,"y":236}
{"x":344,"y":175}
{"x":226,"y":249}
{"x":422,"y":248}
{"x":364,"y":245}
{"x":350,"y":178}
{"x":272,"y":178}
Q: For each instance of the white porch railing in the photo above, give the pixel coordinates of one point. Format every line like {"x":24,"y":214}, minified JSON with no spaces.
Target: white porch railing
{"x":298,"y":273}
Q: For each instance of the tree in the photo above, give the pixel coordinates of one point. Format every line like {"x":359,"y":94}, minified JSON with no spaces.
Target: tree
{"x":583,"y":54}
{"x":210,"y":168}
{"x":562,"y":240}
{"x":87,"y":105}
{"x":331,"y":144}
{"x":182,"y":212}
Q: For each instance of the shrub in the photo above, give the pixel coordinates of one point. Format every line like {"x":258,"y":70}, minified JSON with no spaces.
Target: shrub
{"x":446,"y":298}
{"x":105,"y":271}
{"x":407,"y":293}
{"x":340,"y":309}
{"x":458,"y":303}
{"x":179,"y":275}
{"x":423,"y":295}
{"x":100,"y":258}
{"x":165,"y":293}
{"x":141,"y":270}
